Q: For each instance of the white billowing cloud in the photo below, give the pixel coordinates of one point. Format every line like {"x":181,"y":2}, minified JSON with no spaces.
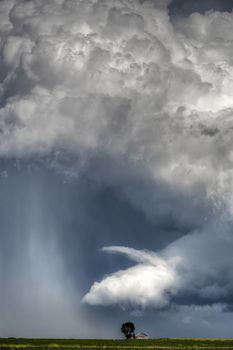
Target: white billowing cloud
{"x":144,"y":284}
{"x":140,"y":104}
{"x":195,"y":269}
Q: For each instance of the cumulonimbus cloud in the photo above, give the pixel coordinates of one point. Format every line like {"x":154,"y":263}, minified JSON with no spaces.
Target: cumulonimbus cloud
{"x":140,"y":104}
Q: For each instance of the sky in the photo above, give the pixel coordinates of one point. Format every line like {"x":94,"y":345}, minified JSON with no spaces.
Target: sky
{"x":116,"y":168}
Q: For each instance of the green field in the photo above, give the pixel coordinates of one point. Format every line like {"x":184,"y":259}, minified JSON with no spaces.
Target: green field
{"x":72,"y":344}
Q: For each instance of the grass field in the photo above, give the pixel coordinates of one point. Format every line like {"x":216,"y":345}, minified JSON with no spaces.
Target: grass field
{"x":72,"y":344}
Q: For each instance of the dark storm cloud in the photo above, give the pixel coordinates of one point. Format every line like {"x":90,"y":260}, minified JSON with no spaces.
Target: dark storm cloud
{"x":185,"y":8}
{"x":115,"y":132}
{"x":48,"y":248}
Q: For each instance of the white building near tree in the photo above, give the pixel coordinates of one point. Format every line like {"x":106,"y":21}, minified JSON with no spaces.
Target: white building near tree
{"x":141,"y":336}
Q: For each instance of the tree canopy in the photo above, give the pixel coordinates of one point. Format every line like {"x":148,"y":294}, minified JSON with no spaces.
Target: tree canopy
{"x":128,"y":329}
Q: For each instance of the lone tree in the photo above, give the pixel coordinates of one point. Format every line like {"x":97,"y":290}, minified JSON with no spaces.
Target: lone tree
{"x":128,"y":330}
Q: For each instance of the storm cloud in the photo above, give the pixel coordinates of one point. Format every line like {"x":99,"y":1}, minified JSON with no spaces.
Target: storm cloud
{"x":123,"y":102}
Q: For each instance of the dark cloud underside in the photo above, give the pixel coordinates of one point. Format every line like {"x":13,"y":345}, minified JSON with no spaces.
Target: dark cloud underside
{"x":185,"y":8}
